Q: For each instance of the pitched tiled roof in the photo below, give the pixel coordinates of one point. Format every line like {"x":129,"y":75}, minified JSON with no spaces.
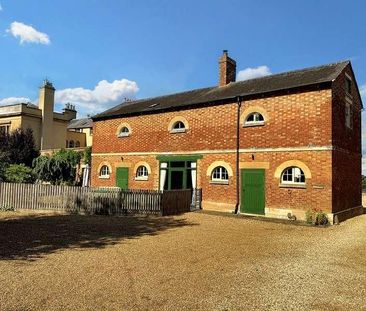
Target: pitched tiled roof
{"x":272,"y":83}
{"x":80,"y":123}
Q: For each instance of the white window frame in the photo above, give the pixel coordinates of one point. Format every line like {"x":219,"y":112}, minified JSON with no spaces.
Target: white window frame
{"x":223,"y":175}
{"x":254,"y":122}
{"x":294,"y":172}
{"x":180,"y":129}
{"x":104,"y":172}
{"x":124,"y":133}
{"x":142,"y":173}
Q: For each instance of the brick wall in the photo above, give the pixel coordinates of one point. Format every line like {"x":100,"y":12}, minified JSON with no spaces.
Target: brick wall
{"x":301,"y":126}
{"x":294,"y":120}
{"x":316,"y":194}
{"x":347,"y":142}
{"x":291,"y":121}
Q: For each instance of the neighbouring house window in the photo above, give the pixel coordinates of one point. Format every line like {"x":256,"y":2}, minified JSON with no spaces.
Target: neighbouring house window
{"x":4,"y":128}
{"x":71,"y":144}
{"x":254,"y":118}
{"x":77,"y":144}
{"x":142,"y":172}
{"x":293,"y":175}
{"x":348,"y":115}
{"x":124,"y":132}
{"x":220,"y":174}
{"x":67,"y":143}
{"x":91,"y":132}
{"x":178,"y":127}
{"x":348,"y":85}
{"x":104,"y":172}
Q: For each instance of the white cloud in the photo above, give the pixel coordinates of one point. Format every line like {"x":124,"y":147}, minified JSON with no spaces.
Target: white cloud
{"x":27,"y":33}
{"x":251,"y":73}
{"x":14,"y":100}
{"x":103,"y":96}
{"x":1,"y":8}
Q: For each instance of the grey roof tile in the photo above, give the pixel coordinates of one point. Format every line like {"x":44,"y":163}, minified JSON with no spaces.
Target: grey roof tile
{"x":80,"y":123}
{"x":272,"y":83}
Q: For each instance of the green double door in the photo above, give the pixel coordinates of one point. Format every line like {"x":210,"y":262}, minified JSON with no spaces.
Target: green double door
{"x":252,"y":191}
{"x":122,"y":177}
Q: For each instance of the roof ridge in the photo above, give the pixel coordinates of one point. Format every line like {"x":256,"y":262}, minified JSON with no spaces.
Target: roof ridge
{"x":294,"y":71}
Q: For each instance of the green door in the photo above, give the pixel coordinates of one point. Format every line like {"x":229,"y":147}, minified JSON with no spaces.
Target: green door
{"x":252,"y":191}
{"x":122,"y":177}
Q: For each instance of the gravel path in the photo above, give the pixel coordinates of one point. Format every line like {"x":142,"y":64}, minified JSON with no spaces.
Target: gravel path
{"x":189,"y":262}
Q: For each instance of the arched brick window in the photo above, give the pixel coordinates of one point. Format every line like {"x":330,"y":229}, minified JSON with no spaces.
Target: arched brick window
{"x":293,"y":175}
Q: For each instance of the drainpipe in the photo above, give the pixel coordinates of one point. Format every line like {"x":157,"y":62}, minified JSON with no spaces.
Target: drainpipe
{"x":237,"y":157}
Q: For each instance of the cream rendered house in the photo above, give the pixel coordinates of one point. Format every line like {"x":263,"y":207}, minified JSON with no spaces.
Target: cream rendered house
{"x":51,"y":129}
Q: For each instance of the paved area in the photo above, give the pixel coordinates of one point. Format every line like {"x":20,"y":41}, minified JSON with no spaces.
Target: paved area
{"x":189,"y":262}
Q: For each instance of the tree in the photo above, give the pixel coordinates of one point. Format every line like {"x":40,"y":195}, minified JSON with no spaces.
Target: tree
{"x":4,"y":163}
{"x":87,"y":155}
{"x":21,"y":147}
{"x":60,"y":168}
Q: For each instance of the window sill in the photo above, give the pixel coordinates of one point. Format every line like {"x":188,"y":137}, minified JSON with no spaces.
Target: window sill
{"x":104,"y":177}
{"x":178,"y":131}
{"x":123,"y":135}
{"x":295,"y":186}
{"x":254,"y":124}
{"x":141,"y":178}
{"x":219,"y":182}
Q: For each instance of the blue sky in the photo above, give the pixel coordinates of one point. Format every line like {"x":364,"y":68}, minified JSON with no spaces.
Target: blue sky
{"x":98,"y":52}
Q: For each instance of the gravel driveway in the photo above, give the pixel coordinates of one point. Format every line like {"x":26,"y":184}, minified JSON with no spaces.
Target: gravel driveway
{"x":190,"y":262}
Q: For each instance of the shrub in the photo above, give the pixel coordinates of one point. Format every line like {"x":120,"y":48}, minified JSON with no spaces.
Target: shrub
{"x":316,"y":217}
{"x":7,"y":208}
{"x":19,"y":173}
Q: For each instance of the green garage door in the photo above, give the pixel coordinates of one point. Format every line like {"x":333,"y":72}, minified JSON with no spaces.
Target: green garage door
{"x":122,"y":177}
{"x":252,"y":191}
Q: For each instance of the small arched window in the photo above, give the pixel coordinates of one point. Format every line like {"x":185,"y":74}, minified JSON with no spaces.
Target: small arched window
{"x":142,"y":172}
{"x":254,"y":118}
{"x":77,"y":144}
{"x":293,"y":175}
{"x":71,"y":144}
{"x":178,"y":127}
{"x":67,"y":143}
{"x":104,"y":172}
{"x":124,"y":132}
{"x":220,"y":174}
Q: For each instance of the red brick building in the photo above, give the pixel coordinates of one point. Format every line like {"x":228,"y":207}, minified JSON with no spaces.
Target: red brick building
{"x":275,"y":145}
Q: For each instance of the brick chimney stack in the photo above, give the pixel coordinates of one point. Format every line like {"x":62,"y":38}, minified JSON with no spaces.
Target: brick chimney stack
{"x":227,"y":67}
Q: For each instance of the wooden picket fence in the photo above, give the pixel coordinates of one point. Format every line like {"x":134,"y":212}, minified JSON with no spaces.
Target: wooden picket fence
{"x":108,"y":201}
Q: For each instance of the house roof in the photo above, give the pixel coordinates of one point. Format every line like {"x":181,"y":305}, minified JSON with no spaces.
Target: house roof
{"x":80,"y":123}
{"x":272,"y":83}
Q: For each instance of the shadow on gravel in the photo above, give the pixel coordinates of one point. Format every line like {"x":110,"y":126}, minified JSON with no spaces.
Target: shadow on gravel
{"x":33,"y":236}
